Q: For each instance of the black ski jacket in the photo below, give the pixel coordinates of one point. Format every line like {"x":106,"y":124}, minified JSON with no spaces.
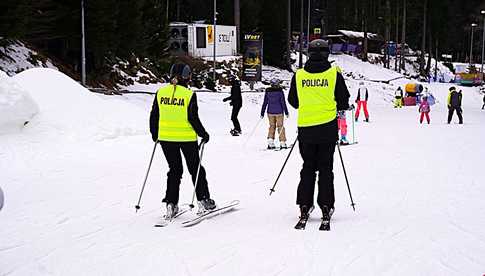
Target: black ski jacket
{"x":324,"y":133}
{"x":235,"y":98}
{"x":193,"y":117}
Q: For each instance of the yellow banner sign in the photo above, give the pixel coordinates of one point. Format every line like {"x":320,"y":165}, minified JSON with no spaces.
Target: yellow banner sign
{"x":210,"y":34}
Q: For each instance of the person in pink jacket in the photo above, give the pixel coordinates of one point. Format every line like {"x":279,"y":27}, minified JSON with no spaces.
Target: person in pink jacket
{"x":342,"y":126}
{"x":424,"y":109}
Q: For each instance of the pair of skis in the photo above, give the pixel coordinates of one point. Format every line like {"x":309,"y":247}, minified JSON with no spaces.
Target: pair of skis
{"x":199,"y":217}
{"x":324,"y":225}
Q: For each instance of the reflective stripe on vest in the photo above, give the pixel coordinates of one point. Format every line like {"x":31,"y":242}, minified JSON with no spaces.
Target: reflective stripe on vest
{"x":316,"y":97}
{"x":173,"y":125}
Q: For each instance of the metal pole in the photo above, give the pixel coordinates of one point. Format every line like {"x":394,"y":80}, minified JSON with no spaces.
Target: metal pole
{"x":215,"y":39}
{"x":83,"y":47}
{"x":237,"y":19}
{"x":483,"y":44}
{"x":288,"y":27}
{"x":272,"y":190}
{"x":300,"y":65}
{"x":308,"y":24}
{"x":137,"y":207}
{"x":167,"y":10}
{"x":197,"y":176}
{"x":471,"y":47}
{"x":346,"y":179}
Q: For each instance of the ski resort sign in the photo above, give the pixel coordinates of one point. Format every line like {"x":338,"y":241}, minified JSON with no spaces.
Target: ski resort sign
{"x":253,"y":57}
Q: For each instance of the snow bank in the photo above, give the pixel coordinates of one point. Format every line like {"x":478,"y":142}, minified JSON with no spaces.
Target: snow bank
{"x":70,"y":110}
{"x":16,"y":105}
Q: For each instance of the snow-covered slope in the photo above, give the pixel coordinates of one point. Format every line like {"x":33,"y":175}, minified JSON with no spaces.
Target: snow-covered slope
{"x":17,"y":57}
{"x":16,"y":106}
{"x":70,"y":204}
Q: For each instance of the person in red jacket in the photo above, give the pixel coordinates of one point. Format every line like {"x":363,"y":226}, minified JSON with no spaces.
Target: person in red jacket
{"x":362,"y":103}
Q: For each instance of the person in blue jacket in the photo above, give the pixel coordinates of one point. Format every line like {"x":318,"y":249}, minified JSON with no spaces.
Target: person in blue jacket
{"x":275,"y":105}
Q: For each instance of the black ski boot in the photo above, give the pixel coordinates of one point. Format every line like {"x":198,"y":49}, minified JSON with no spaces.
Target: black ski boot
{"x":327,"y":213}
{"x":206,"y":205}
{"x":304,"y":216}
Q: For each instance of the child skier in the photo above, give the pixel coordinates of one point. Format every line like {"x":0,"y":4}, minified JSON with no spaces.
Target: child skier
{"x":398,"y":98}
{"x":342,"y":126}
{"x":274,"y":102}
{"x":362,"y":103}
{"x":424,"y":109}
{"x":236,"y":103}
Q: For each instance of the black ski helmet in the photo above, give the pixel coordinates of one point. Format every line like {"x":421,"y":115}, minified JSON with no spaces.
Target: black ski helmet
{"x":318,"y":48}
{"x":180,"y":71}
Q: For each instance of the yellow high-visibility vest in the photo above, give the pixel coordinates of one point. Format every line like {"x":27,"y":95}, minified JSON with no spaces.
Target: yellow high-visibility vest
{"x":173,"y":125}
{"x":316,"y":97}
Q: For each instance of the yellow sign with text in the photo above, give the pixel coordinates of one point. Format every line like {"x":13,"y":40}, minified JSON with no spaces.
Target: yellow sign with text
{"x":210,"y":34}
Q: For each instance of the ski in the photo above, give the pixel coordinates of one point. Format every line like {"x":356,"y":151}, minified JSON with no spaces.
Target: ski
{"x":212,"y":213}
{"x":166,"y":221}
{"x":348,"y":144}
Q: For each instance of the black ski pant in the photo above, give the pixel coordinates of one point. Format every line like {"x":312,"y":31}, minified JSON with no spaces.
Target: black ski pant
{"x":316,"y":158}
{"x":190,"y":150}
{"x":234,"y":114}
{"x":451,"y":110}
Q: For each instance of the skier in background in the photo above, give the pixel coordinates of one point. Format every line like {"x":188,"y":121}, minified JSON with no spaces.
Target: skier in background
{"x":483,"y":106}
{"x":175,"y":124}
{"x":362,"y":103}
{"x":342,"y":126}
{"x":318,"y":91}
{"x":236,"y":103}
{"x":454,"y":104}
{"x":275,"y":104}
{"x":398,"y":98}
{"x":424,"y":109}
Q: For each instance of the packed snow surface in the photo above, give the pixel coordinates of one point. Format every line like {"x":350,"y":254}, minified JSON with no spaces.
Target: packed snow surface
{"x":70,"y":202}
{"x":16,"y":106}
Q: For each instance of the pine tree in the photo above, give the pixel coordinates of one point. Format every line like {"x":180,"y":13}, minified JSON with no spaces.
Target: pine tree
{"x":273,"y":22}
{"x":155,"y":33}
{"x":13,"y":18}
{"x":129,"y":28}
{"x":101,"y":30}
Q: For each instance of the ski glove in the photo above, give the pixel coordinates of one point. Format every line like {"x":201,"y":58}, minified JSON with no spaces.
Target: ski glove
{"x":351,"y":107}
{"x":205,"y":138}
{"x":154,"y":138}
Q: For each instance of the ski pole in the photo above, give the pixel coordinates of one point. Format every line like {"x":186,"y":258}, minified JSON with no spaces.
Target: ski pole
{"x":197,"y":175}
{"x":346,"y":179}
{"x":353,"y":128}
{"x":284,"y":164}
{"x":137,"y":207}
{"x":253,"y":131}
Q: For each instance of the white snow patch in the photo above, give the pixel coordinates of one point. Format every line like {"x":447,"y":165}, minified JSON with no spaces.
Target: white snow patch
{"x":17,"y":57}
{"x":16,"y":105}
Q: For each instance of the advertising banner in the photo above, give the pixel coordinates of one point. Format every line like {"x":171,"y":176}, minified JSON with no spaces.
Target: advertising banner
{"x":253,"y":57}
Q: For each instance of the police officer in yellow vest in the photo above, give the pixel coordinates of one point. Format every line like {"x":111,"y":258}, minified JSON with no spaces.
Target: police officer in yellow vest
{"x":175,"y":123}
{"x":318,"y":91}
